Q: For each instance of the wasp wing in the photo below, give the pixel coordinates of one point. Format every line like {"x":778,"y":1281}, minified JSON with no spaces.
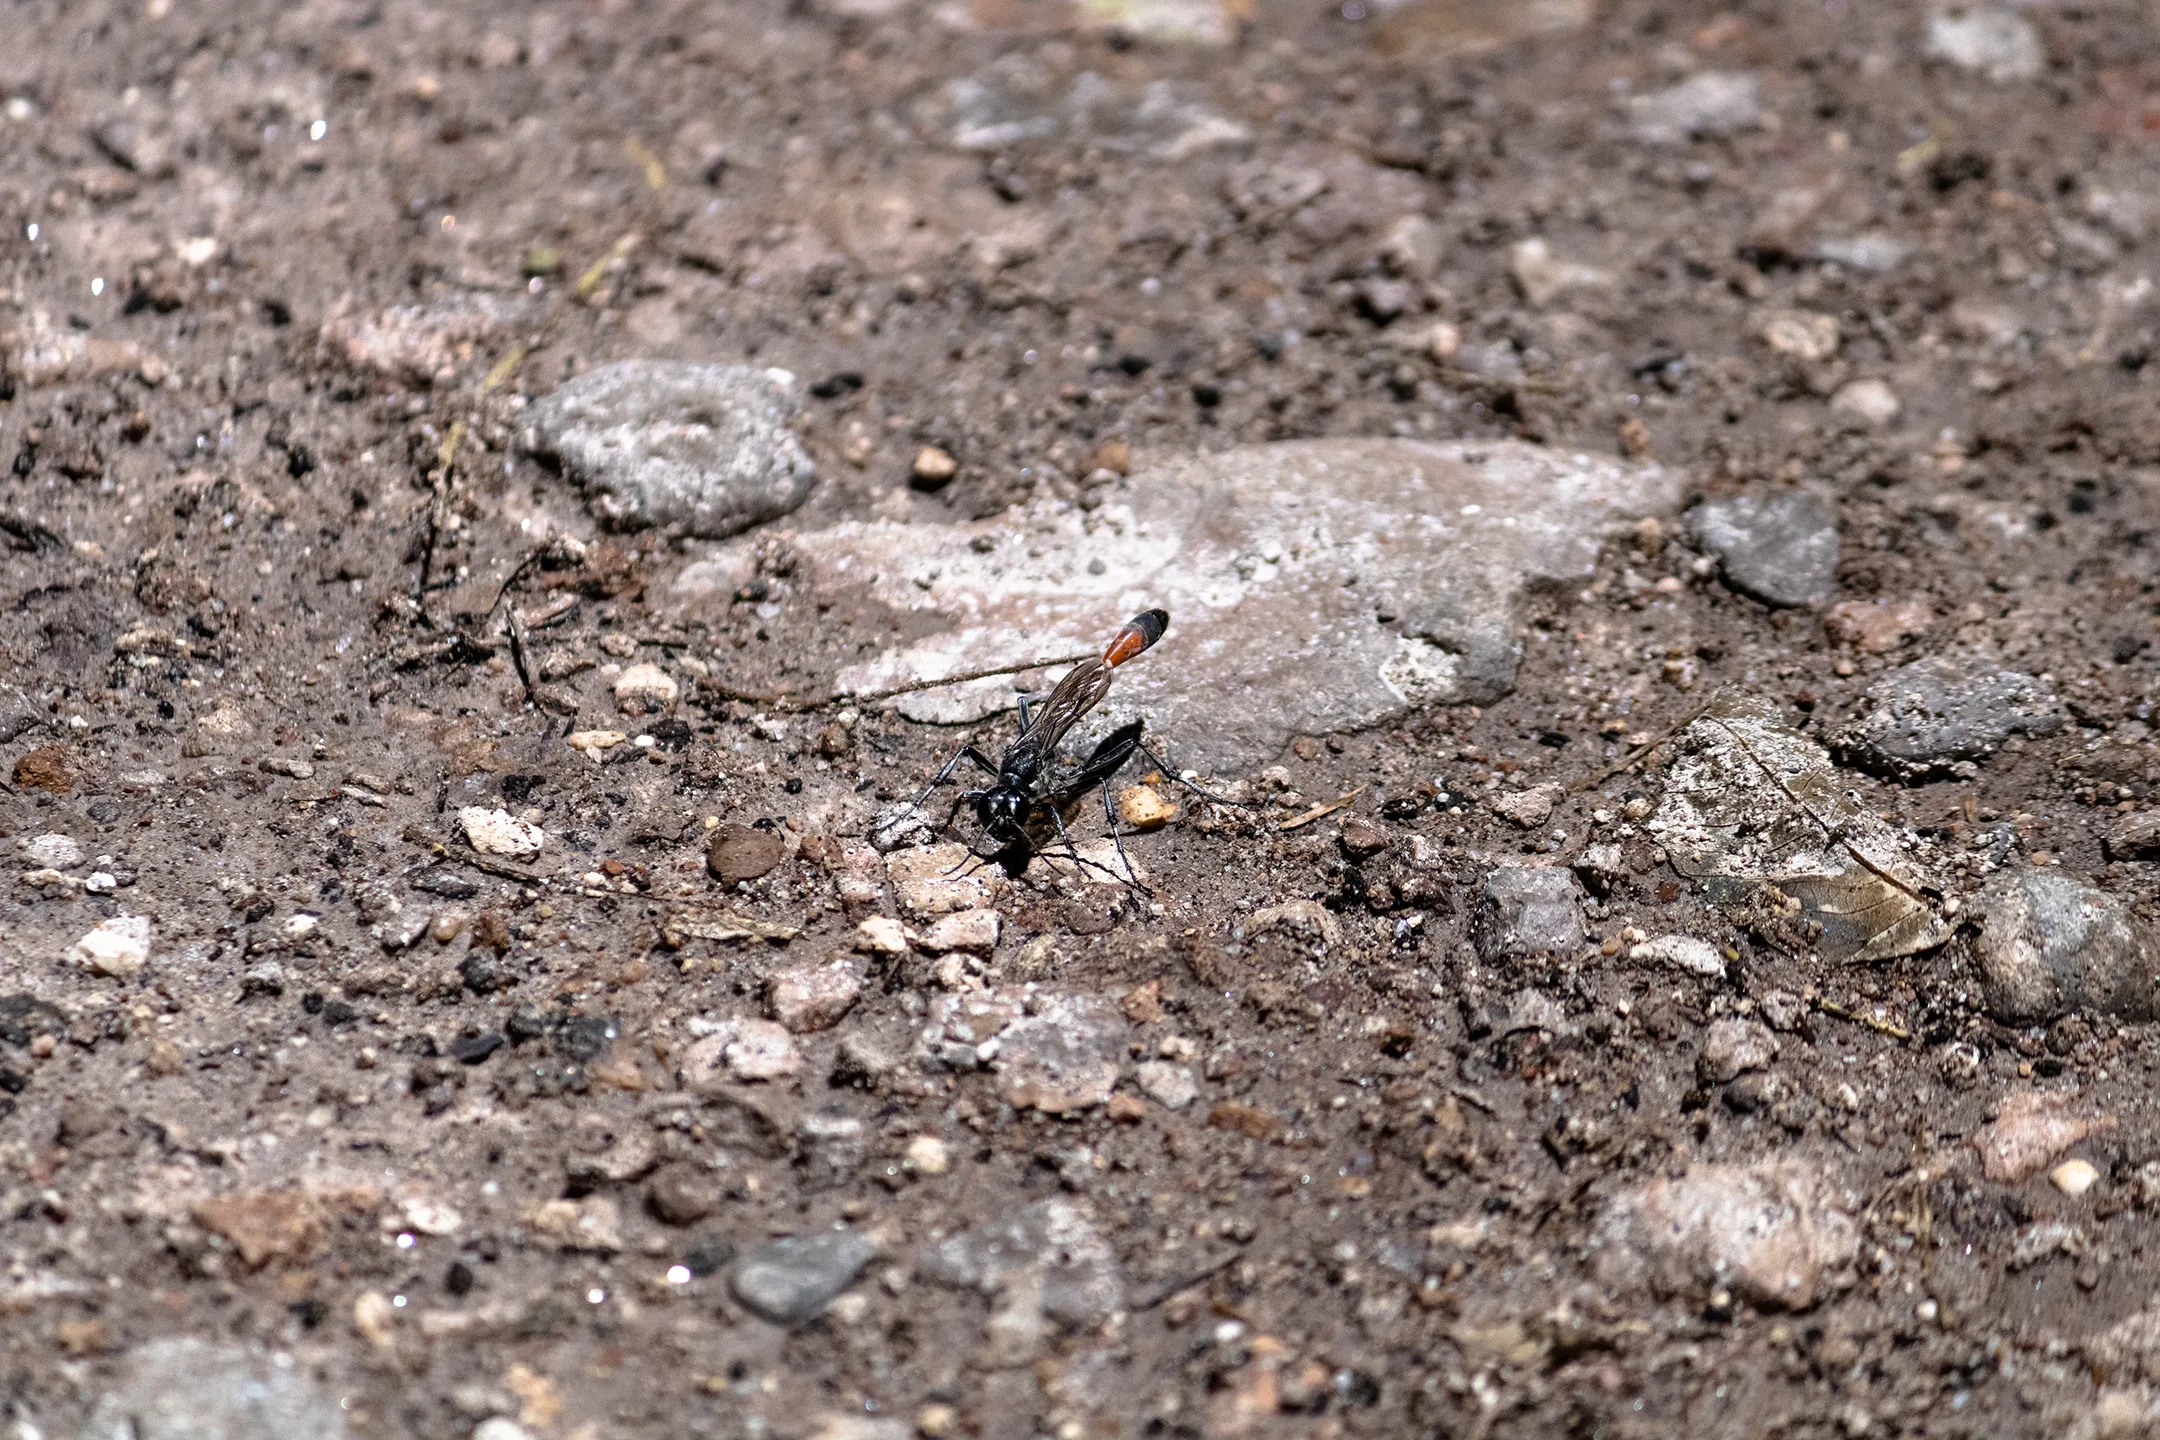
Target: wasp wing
{"x":1080,"y":691}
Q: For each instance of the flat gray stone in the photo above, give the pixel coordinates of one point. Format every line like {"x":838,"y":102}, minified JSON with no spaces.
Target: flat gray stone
{"x":1313,"y":586}
{"x":699,"y":450}
{"x":1923,"y":719}
{"x":790,"y":1280}
{"x":2049,"y":943}
{"x":190,"y":1389}
{"x":1528,"y":910}
{"x":1780,"y":546}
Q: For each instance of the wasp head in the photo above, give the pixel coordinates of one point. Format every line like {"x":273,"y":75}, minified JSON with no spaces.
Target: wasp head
{"x":1004,"y":812}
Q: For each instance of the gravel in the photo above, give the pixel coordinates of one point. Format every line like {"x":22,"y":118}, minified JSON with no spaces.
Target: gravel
{"x":1528,"y":910}
{"x":789,"y":1281}
{"x":701,"y":450}
{"x":1779,"y":546}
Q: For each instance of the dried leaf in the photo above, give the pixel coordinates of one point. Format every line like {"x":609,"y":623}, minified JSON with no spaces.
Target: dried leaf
{"x":1758,"y":814}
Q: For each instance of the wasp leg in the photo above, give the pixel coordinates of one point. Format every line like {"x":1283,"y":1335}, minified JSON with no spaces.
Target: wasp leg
{"x":1118,"y":839}
{"x":1164,"y":766}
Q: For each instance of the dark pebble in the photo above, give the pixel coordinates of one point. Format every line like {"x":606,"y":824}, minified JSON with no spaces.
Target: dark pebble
{"x":472,"y":1049}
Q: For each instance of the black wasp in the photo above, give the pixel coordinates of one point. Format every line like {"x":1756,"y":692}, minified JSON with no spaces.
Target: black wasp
{"x":1025,"y":803}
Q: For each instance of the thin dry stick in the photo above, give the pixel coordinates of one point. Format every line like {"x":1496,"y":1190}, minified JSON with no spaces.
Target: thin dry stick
{"x":1636,"y":756}
{"x":1340,"y":802}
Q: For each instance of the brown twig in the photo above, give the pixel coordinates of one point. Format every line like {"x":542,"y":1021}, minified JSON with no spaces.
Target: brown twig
{"x":1340,"y":802}
{"x":1640,"y":752}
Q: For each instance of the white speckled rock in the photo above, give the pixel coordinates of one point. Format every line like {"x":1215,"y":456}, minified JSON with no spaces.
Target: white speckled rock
{"x":119,"y":947}
{"x":696,"y":449}
{"x":498,"y":832}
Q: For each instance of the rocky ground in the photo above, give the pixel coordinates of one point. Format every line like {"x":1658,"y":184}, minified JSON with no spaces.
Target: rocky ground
{"x":506,"y":510}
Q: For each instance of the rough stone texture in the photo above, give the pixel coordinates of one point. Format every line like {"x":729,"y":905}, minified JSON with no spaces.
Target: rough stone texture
{"x":975,"y":931}
{"x":1010,"y":103}
{"x":1999,"y":44}
{"x":1732,"y":1046}
{"x":2029,"y":1130}
{"x":419,"y":345}
{"x":1772,"y":1234}
{"x":790,"y":1280}
{"x":1057,"y":1239}
{"x":1780,"y":546}
{"x":1528,"y":910}
{"x":738,"y":852}
{"x":1170,"y":1086}
{"x":118,"y":947}
{"x":1928,"y":716}
{"x":645,"y":689}
{"x":2133,"y":837}
{"x":2049,"y":943}
{"x":498,"y":832}
{"x":1712,"y":103}
{"x":57,"y":852}
{"x":1063,"y":1058}
{"x":1698,"y":957}
{"x":1253,"y":551}
{"x":1529,"y":808}
{"x":189,"y":1389}
{"x":1759,"y":815}
{"x":694,"y":449}
{"x":813,"y":997}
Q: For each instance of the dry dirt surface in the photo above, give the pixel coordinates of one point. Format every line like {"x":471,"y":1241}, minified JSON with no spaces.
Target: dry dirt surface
{"x":466,"y":969}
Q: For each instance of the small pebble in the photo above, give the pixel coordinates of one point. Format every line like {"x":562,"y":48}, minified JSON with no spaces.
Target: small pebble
{"x":2073,"y":1177}
{"x":645,"y":689}
{"x":119,"y":947}
{"x":1142,"y":807}
{"x":498,"y":832}
{"x":53,"y":852}
{"x":933,"y":467}
{"x":928,"y":1155}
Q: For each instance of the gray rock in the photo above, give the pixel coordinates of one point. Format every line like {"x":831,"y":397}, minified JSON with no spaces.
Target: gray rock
{"x":1732,"y":1046}
{"x":1776,"y":1234}
{"x":1313,"y":586}
{"x":696,"y":449}
{"x":53,"y":852}
{"x":190,"y":1389}
{"x":830,"y":1146}
{"x":1926,"y":717}
{"x":2050,"y":943}
{"x":1715,"y":102}
{"x":1780,"y":546}
{"x":1528,"y":910}
{"x":1056,"y":1238}
{"x":1014,"y":101}
{"x":1999,"y":44}
{"x":2134,"y":836}
{"x":789,"y":1280}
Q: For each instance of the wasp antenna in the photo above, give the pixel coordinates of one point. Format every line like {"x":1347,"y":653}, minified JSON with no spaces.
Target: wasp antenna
{"x":1139,"y":633}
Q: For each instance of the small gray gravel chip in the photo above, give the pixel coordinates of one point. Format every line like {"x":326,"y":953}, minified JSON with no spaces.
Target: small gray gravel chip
{"x":789,"y":1280}
{"x":1780,"y":546}
{"x":1528,"y":910}
{"x":699,"y":450}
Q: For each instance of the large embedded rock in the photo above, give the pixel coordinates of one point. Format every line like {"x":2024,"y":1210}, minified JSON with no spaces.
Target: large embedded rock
{"x":1313,"y":586}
